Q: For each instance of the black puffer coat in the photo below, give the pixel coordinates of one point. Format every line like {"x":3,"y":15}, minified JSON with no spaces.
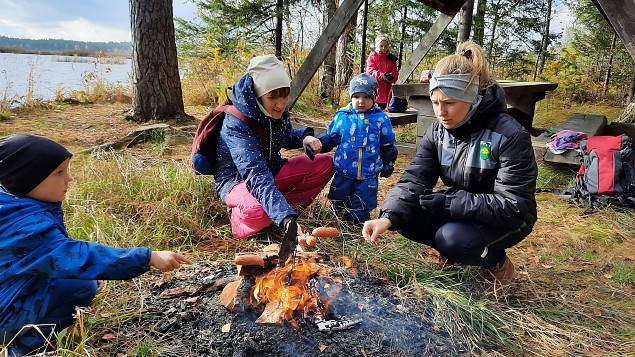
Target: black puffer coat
{"x":488,"y":164}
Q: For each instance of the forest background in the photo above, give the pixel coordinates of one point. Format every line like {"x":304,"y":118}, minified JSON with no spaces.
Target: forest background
{"x":576,"y":290}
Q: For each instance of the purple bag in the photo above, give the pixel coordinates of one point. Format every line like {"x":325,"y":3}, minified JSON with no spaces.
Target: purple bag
{"x":565,"y":140}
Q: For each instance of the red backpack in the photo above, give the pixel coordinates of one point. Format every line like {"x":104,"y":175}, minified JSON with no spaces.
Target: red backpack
{"x":608,"y":166}
{"x":204,"y":145}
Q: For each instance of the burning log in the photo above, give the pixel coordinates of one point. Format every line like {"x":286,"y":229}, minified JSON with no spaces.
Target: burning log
{"x":296,"y":290}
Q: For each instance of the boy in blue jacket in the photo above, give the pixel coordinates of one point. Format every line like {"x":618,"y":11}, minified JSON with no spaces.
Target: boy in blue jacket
{"x":365,"y":150}
{"x":44,"y":273}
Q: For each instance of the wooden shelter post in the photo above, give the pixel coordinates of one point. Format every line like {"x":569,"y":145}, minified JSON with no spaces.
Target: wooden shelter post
{"x":324,"y":44}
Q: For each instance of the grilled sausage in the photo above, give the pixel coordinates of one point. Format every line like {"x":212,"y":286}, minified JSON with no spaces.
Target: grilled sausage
{"x":325,"y":232}
{"x":311,"y":240}
{"x":249,"y":259}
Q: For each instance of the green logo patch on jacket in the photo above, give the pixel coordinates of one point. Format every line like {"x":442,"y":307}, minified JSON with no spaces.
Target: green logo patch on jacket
{"x":485,"y":150}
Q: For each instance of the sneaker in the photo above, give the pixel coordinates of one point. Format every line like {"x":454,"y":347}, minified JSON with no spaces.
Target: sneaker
{"x":500,"y":277}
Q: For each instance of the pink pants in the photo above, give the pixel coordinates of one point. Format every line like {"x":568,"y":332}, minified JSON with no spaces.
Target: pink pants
{"x":300,"y":180}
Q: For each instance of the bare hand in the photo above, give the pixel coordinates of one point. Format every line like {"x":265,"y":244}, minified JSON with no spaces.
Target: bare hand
{"x":301,"y":239}
{"x":373,"y":228}
{"x":100,"y":285}
{"x":313,"y":142}
{"x":167,"y":261}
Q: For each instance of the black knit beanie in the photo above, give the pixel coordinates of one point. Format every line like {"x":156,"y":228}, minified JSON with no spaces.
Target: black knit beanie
{"x":26,"y":160}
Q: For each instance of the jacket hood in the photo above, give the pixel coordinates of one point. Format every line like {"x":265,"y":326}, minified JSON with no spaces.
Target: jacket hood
{"x":14,"y":208}
{"x":245,"y":100}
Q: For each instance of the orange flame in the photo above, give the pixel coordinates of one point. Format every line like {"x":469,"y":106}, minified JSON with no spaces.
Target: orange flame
{"x":295,"y":287}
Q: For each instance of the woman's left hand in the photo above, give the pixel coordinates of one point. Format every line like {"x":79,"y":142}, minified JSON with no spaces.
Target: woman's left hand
{"x":313,"y":142}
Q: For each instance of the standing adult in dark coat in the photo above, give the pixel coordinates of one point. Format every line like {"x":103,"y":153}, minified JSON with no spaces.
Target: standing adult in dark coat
{"x":485,"y":159}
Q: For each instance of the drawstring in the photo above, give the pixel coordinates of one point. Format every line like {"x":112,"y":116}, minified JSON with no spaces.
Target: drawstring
{"x":484,"y":252}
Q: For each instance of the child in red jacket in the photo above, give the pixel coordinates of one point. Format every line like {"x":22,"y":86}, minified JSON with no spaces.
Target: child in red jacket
{"x":382,"y":65}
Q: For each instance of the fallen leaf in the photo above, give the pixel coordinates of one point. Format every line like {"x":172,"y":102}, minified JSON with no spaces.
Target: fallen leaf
{"x":226,"y":328}
{"x":436,"y":328}
{"x":547,"y":266}
{"x":322,"y":347}
{"x":192,"y":300}
{"x":108,"y":336}
{"x":346,"y":261}
{"x":629,"y":257}
{"x":597,"y":312}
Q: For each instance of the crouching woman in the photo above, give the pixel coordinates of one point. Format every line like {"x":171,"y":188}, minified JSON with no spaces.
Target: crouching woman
{"x":252,"y":178}
{"x":485,"y":159}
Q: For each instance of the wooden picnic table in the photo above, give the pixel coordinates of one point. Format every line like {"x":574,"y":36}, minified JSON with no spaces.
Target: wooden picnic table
{"x":521,"y":101}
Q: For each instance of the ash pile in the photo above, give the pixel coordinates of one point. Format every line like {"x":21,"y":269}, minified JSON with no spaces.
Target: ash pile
{"x":213,"y":309}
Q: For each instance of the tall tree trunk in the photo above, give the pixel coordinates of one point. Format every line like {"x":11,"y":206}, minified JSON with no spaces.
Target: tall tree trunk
{"x":327,"y":82}
{"x":465,"y":26}
{"x":362,"y":62}
{"x":278,"y":40}
{"x":541,"y":58}
{"x":609,"y":67}
{"x":403,"y":35}
{"x":156,"y":85}
{"x":344,"y":58}
{"x":479,"y":22}
{"x":496,"y":9}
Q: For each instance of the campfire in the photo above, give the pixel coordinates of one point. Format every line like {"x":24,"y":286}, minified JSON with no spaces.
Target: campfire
{"x":298,"y":291}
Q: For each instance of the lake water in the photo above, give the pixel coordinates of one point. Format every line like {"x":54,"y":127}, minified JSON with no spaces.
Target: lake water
{"x":44,"y":74}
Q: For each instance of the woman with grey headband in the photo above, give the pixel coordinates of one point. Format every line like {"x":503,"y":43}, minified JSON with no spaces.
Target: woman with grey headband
{"x":485,"y":161}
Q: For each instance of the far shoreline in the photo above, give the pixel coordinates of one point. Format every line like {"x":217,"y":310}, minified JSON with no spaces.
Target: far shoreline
{"x":78,"y":53}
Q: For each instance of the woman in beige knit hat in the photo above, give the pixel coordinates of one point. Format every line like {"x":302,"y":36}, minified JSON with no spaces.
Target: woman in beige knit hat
{"x":252,"y":178}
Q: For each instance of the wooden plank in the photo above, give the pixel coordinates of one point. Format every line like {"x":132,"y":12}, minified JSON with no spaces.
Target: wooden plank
{"x":408,"y":117}
{"x":424,"y":46}
{"x":521,"y":97}
{"x":512,"y":88}
{"x":322,"y":47}
{"x":589,"y":124}
{"x":620,"y":14}
{"x":408,"y":149}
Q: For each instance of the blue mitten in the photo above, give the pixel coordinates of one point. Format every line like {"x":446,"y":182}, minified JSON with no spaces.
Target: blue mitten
{"x":434,"y":203}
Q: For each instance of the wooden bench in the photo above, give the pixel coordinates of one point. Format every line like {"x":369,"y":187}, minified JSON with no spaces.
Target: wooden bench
{"x":521,"y":100}
{"x":589,"y":124}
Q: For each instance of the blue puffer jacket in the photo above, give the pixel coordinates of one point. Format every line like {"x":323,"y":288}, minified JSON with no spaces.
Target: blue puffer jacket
{"x":239,"y":155}
{"x":35,"y":249}
{"x":364,"y":141}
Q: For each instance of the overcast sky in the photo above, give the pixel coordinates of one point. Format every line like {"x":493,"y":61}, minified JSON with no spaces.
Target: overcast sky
{"x":82,"y":20}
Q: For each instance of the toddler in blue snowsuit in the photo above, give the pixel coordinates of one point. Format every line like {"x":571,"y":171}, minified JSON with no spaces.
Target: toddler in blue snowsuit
{"x":44,"y":273}
{"x":365,"y":150}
